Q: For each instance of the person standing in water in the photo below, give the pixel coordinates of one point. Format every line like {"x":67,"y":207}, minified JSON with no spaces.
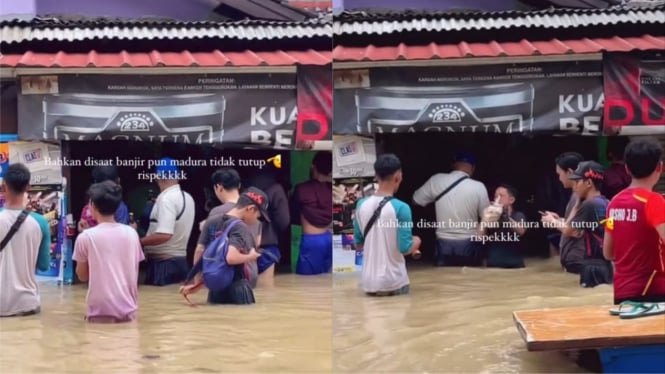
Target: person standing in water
{"x":507,"y":253}
{"x":635,"y":228}
{"x":108,"y":257}
{"x":171,"y":222}
{"x":382,"y":230}
{"x":101,"y":174}
{"x":279,"y":220}
{"x":312,"y":209}
{"x":570,"y":249}
{"x":25,"y":245}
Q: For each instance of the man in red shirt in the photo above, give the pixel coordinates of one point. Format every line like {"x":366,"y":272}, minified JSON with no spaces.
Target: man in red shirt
{"x":635,"y":228}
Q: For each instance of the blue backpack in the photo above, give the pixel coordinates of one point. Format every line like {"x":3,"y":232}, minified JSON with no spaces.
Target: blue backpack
{"x":217,"y":273}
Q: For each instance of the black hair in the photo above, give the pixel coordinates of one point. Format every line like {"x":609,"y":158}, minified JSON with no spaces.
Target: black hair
{"x":323,"y":162}
{"x":17,"y":178}
{"x":104,"y":173}
{"x":386,"y":165}
{"x":642,"y":157}
{"x":228,"y":178}
{"x":106,"y":196}
{"x":616,"y":146}
{"x":569,"y":160}
{"x":512,"y":191}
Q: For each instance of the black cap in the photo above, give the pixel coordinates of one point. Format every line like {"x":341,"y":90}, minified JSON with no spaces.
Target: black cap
{"x":258,"y":198}
{"x":588,"y":170}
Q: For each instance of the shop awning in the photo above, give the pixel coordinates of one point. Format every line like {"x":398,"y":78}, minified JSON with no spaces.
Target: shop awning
{"x":123,"y":59}
{"x":498,"y":49}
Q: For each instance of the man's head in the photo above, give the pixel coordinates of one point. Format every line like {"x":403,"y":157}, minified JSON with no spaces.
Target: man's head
{"x":105,"y":173}
{"x":388,"y":170}
{"x":226,"y":183}
{"x":167,"y":172}
{"x":322,"y":165}
{"x":587,"y":178}
{"x":566,"y":164}
{"x":252,"y":205}
{"x":506,"y":194}
{"x":105,"y":198}
{"x":16,"y":180}
{"x":464,"y":161}
{"x":644,"y":160}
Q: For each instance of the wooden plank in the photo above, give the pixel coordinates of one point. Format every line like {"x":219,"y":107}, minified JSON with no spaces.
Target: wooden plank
{"x":587,"y":327}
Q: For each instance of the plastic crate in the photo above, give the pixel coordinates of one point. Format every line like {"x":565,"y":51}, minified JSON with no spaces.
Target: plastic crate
{"x":635,"y":359}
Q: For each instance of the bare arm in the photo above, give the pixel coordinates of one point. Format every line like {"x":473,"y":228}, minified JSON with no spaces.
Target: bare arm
{"x":82,"y":271}
{"x":235,"y":257}
{"x":155,"y":239}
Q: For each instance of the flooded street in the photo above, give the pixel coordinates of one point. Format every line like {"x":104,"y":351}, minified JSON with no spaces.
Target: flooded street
{"x":455,"y":320}
{"x":288,"y":330}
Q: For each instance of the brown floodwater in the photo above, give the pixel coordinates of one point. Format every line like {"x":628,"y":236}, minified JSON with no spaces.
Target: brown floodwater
{"x":456,"y":320}
{"x":287,"y":331}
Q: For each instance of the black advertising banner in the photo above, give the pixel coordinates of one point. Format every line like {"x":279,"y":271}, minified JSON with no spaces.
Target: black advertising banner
{"x":314,"y":103}
{"x":553,"y":97}
{"x":634,"y":94}
{"x":257,"y":109}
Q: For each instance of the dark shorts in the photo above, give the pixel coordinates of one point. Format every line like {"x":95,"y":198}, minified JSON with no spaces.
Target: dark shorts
{"x":25,"y":314}
{"x":402,"y":291}
{"x":554,"y":240}
{"x":239,"y":293}
{"x":265,"y":262}
{"x":315,"y":255}
{"x":165,"y":272}
{"x":458,"y":253}
{"x":504,"y":257}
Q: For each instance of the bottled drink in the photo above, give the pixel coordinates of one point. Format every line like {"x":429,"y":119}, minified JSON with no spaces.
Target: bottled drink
{"x":131,"y":219}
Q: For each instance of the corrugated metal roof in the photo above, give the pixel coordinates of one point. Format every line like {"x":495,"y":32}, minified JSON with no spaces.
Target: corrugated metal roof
{"x":77,"y":29}
{"x":214,"y":58}
{"x":498,"y":49}
{"x":410,"y":21}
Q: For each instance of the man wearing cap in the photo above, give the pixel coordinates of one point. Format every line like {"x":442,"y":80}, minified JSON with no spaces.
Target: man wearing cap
{"x":251,"y":206}
{"x":585,"y":222}
{"x":171,"y":221}
{"x":459,"y":202}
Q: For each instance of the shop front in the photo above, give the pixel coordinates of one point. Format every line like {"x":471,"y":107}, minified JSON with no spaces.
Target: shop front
{"x":513,"y":98}
{"x":249,"y":110}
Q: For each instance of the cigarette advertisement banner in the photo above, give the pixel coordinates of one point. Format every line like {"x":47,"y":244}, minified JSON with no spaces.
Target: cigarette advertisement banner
{"x":256,"y":109}
{"x":559,"y":97}
{"x":634,"y":94}
{"x":34,"y":156}
{"x":314,"y":105}
{"x":353,"y":156}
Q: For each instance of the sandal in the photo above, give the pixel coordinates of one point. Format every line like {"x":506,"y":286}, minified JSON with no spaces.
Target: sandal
{"x":645,"y":310}
{"x":621,"y":309}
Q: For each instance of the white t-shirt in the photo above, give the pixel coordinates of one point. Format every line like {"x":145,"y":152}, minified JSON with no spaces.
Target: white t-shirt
{"x":384,"y":267}
{"x":168,"y":205}
{"x":459,"y":211}
{"x":28,"y":250}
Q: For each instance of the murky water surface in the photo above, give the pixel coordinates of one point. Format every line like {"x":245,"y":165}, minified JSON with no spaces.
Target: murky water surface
{"x":288,"y":330}
{"x":456,"y":320}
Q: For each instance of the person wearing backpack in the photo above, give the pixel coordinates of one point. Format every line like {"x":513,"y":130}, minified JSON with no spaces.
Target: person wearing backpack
{"x":107,"y":257}
{"x":382,"y":230}
{"x":25,"y":245}
{"x":586,"y":223}
{"x":225,"y":260}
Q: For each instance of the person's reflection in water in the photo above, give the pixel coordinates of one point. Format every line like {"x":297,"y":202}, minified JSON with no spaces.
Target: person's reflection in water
{"x":114,"y":348}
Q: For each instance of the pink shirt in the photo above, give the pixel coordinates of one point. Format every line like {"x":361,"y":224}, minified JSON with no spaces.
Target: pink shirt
{"x":113,"y":253}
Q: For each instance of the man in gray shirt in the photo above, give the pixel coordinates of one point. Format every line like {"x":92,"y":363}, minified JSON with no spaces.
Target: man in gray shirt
{"x":459,"y":202}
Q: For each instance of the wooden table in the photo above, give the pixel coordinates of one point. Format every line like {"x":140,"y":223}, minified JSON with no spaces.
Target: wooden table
{"x":626,"y":345}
